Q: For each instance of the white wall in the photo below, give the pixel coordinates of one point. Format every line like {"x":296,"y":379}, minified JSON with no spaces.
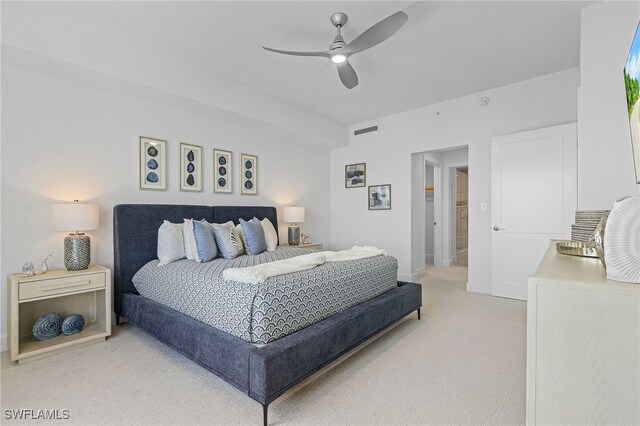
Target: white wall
{"x":605,"y":158}
{"x":540,"y":102}
{"x":75,"y":100}
{"x":62,"y":141}
{"x":38,"y":35}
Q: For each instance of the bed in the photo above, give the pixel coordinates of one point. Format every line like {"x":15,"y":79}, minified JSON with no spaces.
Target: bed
{"x":264,"y":372}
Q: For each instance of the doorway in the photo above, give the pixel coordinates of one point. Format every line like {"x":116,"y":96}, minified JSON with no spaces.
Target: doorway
{"x":429,"y":213}
{"x":533,"y":197}
{"x":445,"y":200}
{"x":461,"y":223}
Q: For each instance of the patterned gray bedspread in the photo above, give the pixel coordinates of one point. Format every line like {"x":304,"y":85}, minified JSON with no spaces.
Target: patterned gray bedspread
{"x":262,"y":313}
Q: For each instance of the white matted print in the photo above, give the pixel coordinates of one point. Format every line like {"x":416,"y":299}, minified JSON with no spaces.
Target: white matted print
{"x":153,"y":170}
{"x":190,"y":167}
{"x":222,"y":171}
{"x":249,"y":174}
{"x":380,"y":197}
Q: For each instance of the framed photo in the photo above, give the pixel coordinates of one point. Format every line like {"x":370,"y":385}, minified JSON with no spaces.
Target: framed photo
{"x":153,"y":168}
{"x":355,"y":175}
{"x":249,"y":174}
{"x":380,"y":197}
{"x":190,"y":167}
{"x":222,"y":171}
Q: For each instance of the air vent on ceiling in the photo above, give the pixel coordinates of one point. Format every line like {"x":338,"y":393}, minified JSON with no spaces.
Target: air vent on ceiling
{"x":366,"y":130}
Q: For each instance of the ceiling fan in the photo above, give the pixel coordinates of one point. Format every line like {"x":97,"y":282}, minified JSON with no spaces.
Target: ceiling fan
{"x":339,"y":51}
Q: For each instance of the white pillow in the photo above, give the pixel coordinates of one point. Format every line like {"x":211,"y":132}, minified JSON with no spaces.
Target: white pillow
{"x":270,"y":234}
{"x":190,"y":247}
{"x":170,"y":243}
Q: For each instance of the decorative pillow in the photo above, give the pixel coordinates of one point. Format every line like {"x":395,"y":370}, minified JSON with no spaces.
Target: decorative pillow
{"x":242,"y":237}
{"x":205,"y":242}
{"x":254,"y":234}
{"x":190,"y":247}
{"x":270,"y":234}
{"x":170,"y":243}
{"x":228,"y":240}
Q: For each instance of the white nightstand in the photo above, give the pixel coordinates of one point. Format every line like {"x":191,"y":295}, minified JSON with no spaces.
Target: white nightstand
{"x":86,"y":292}
{"x":307,"y":245}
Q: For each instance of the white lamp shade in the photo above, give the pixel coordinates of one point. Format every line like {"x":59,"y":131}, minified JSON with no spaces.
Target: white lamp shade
{"x":75,"y":217}
{"x":293,"y":214}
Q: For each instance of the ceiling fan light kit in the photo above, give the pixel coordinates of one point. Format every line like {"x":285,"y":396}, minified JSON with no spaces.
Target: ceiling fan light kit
{"x":339,"y":51}
{"x":338,"y":58}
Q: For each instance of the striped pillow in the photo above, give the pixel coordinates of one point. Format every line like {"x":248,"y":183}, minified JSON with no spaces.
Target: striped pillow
{"x":228,"y":240}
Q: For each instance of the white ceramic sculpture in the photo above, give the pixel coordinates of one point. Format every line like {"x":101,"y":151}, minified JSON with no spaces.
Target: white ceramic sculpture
{"x":622,"y":241}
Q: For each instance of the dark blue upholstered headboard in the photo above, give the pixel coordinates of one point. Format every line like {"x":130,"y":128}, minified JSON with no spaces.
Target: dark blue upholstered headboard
{"x":135,"y":233}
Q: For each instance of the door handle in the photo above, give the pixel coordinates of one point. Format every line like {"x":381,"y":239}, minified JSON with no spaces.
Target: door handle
{"x":497,"y":228}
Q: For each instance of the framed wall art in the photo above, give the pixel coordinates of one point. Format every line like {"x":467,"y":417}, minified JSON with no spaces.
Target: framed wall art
{"x":249,"y":174}
{"x":190,"y":167}
{"x":222,"y":171}
{"x":355,"y":175}
{"x":153,"y":169}
{"x":380,"y":197}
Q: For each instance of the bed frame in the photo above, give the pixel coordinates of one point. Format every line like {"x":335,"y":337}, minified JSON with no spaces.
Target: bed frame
{"x":264,"y":372}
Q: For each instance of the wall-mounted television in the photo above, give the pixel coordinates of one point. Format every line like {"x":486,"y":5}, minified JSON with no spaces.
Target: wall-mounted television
{"x":631,"y":78}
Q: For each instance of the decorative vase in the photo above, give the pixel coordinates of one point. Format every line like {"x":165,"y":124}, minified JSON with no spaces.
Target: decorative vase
{"x":47,"y":326}
{"x":622,"y":241}
{"x":72,"y":324}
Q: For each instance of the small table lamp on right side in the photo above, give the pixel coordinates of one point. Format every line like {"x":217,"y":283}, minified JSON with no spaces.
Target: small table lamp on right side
{"x":294,"y":215}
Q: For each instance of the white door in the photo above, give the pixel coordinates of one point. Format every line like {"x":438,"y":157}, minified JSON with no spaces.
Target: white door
{"x":533,"y":199}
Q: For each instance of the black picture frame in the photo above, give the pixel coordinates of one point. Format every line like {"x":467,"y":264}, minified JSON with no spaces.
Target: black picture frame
{"x":355,"y":175}
{"x":379,"y":197}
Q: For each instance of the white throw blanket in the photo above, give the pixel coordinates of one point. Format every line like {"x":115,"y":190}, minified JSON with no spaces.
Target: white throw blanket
{"x":259,"y":273}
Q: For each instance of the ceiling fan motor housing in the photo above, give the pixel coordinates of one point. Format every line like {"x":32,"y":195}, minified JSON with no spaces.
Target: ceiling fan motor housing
{"x":338,"y":19}
{"x":338,"y":43}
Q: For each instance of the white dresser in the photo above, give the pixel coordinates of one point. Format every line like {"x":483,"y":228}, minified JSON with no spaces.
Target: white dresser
{"x":583,"y":345}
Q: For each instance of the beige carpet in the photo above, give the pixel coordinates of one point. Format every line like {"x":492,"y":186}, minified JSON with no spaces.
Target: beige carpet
{"x":463,"y":363}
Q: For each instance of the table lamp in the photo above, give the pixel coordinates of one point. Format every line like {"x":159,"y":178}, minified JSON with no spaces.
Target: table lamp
{"x":77,"y":246}
{"x":294,"y":215}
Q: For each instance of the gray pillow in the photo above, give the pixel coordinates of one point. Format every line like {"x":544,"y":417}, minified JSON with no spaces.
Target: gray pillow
{"x":227,"y":239}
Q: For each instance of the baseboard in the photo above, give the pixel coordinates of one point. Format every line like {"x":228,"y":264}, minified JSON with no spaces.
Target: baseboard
{"x":4,"y":346}
{"x":406,"y":277}
{"x":478,"y":288}
{"x":419,"y":271}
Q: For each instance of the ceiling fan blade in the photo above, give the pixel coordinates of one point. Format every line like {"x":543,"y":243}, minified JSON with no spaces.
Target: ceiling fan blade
{"x":286,"y":52}
{"x":347,"y":75}
{"x":377,"y":33}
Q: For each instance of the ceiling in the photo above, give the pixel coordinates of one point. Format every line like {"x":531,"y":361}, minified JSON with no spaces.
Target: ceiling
{"x":446,"y":50}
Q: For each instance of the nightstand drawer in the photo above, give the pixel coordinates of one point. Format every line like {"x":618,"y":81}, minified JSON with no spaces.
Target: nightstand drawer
{"x":52,"y":287}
